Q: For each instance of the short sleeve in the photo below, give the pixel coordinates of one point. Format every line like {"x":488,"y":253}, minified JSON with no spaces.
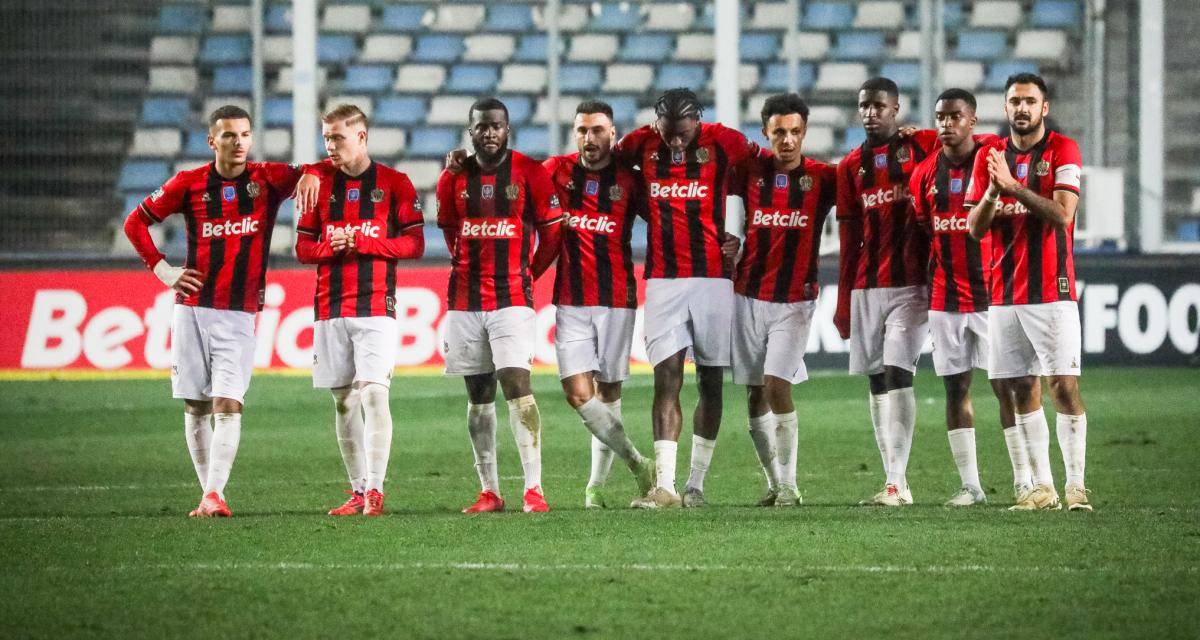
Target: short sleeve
{"x":447,"y":213}
{"x":847,"y":201}
{"x":1068,"y":166}
{"x":283,"y":177}
{"x":167,"y":199}
{"x":547,"y":208}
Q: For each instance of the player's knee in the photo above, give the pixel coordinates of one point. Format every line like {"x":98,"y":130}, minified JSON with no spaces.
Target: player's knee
{"x":609,"y":391}
{"x":897,"y":378}
{"x":514,"y":381}
{"x":197,"y":407}
{"x":958,"y":387}
{"x":1065,"y":390}
{"x":374,"y":394}
{"x":226,"y":405}
{"x":345,"y":399}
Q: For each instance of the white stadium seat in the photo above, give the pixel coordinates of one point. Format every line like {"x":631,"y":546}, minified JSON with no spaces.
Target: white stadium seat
{"x":156,"y":143}
{"x":346,"y":18}
{"x":572,"y":17}
{"x":663,"y":16}
{"x":644,"y":117}
{"x":811,"y":45}
{"x":879,"y":14}
{"x":1041,"y":44}
{"x":488,"y":48}
{"x":212,"y":103}
{"x":420,"y":78}
{"x":962,"y":74}
{"x":187,"y":164}
{"x":747,"y":77}
{"x":172,"y":80}
{"x":996,"y":13}
{"x":449,"y":110}
{"x":840,"y":76}
{"x":694,"y":47}
{"x":277,"y":144}
{"x":462,"y":18}
{"x":593,"y":48}
{"x":231,"y":19}
{"x":385,"y":47}
{"x":827,"y":116}
{"x":770,"y":16}
{"x":277,"y":49}
{"x":174,"y":49}
{"x":423,"y":174}
{"x":989,"y":107}
{"x":284,"y":84}
{"x":522,"y":78}
{"x":632,"y":78}
{"x":566,"y":109}
{"x":387,"y":142}
{"x":362,"y":102}
{"x":908,"y":46}
{"x":818,"y":141}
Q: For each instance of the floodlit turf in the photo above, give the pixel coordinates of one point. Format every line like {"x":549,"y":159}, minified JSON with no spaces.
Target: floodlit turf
{"x":95,"y":483}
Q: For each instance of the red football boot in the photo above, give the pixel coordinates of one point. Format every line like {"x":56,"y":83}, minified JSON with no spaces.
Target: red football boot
{"x":487,"y":502}
{"x":535,"y":502}
{"x":212,"y":506}
{"x":374,"y":506}
{"x":352,"y":507}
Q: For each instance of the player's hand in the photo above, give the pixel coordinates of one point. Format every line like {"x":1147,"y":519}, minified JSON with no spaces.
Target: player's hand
{"x":908,"y":131}
{"x":729,"y":247}
{"x":185,"y":281}
{"x":456,"y":160}
{"x":339,"y":242}
{"x":998,"y":170}
{"x":307,"y":190}
{"x":352,"y":242}
{"x":841,"y":320}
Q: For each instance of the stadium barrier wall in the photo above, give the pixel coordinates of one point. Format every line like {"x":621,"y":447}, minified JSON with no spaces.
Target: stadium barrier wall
{"x":1134,"y":312}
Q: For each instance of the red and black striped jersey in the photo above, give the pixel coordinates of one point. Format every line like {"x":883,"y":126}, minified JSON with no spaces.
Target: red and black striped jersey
{"x":1032,"y":261}
{"x":595,"y":267}
{"x":959,"y":265}
{"x":377,"y":206}
{"x":785,"y":212}
{"x":228,"y":224}
{"x":685,"y":194}
{"x":494,"y":217}
{"x":873,"y":189}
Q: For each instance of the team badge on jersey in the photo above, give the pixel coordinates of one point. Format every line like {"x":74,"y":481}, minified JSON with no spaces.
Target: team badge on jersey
{"x":956,"y":185}
{"x":615,"y":193}
{"x":1022,"y":170}
{"x":702,"y":155}
{"x":677,"y":157}
{"x":781,"y":181}
{"x":488,"y":191}
{"x":512,"y":191}
{"x":880,"y":160}
{"x":591,"y":188}
{"x":253,"y":190}
{"x":377,"y":196}
{"x":229,"y":193}
{"x":352,"y":195}
{"x":902,"y":155}
{"x":805,"y":183}
{"x":1042,"y":168}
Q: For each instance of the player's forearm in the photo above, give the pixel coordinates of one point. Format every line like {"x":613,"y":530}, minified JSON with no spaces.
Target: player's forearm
{"x":138,"y":233}
{"x":309,"y":251}
{"x":409,"y":246}
{"x":979,"y":218}
{"x":1042,"y":207}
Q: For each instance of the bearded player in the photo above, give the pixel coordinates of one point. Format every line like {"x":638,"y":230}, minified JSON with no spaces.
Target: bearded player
{"x":1024,"y":190}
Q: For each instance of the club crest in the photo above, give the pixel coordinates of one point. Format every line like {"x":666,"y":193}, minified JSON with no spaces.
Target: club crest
{"x":616,"y":193}
{"x":229,"y":193}
{"x":488,"y":191}
{"x":956,"y":185}
{"x":702,"y":155}
{"x":1022,"y":170}
{"x":805,"y":183}
{"x":377,"y":196}
{"x":512,"y":192}
{"x":591,"y":188}
{"x":352,"y":195}
{"x":781,"y":181}
{"x":1042,"y":168}
{"x":253,"y":190}
{"x":903,"y":154}
{"x":880,"y":160}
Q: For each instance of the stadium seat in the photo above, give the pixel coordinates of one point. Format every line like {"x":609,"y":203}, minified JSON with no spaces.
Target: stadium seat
{"x":520,"y":108}
{"x":827,"y":15}
{"x":214,"y":102}
{"x":624,"y":111}
{"x":363,"y":102}
{"x":981,"y":45}
{"x":579,"y":78}
{"x":457,"y":18}
{"x":616,"y":17}
{"x":388,"y":48}
{"x":165,"y":111}
{"x":163,"y":79}
{"x":705,"y":21}
{"x":230,"y":19}
{"x":387,"y":142}
{"x":601,"y":47}
{"x":758,"y":47}
{"x":818,"y":141}
{"x":277,"y":49}
{"x":420,"y":78}
{"x":278,"y":19}
{"x":962,"y":74}
{"x":634,"y":78}
{"x":533,"y":48}
{"x":996,"y":13}
{"x":509,"y":18}
{"x":776,"y":78}
{"x":533,"y":141}
{"x":1049,"y":45}
{"x":1055,"y":13}
{"x":179,"y":49}
{"x":571,"y":17}
{"x":859,"y":45}
{"x":176,"y":19}
{"x":827,"y":116}
{"x":285,"y":82}
{"x":408,"y":18}
{"x":432,"y":142}
{"x":488,"y":48}
{"x":225,"y":50}
{"x":155,"y":143}
{"x":367,"y":79}
{"x":1188,"y":231}
{"x":438,"y":48}
{"x":346,"y":18}
{"x":566,"y":110}
{"x":643,"y":47}
{"x":770,"y":16}
{"x":906,"y":75}
{"x":475,"y":79}
{"x":278,"y":111}
{"x":999,"y":72}
{"x":694,"y":47}
{"x":277,"y":143}
{"x":810,"y":45}
{"x":853,"y":137}
{"x":908,"y":46}
{"x":400,"y":110}
{"x":747,"y":77}
{"x":530,"y":78}
{"x":840,"y":76}
{"x":671,"y":75}
{"x":661,"y":16}
{"x":423,"y":174}
{"x":952,"y":16}
{"x":143,"y":175}
{"x":338,"y":49}
{"x":449,"y":110}
{"x":879,"y":14}
{"x":989,"y":107}
{"x":236,"y":80}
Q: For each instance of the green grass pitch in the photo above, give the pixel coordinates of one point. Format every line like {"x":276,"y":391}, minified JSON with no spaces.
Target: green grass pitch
{"x":95,"y":484}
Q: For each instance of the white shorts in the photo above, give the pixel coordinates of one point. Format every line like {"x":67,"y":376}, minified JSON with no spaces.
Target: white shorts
{"x":888,"y":327}
{"x":348,"y":350}
{"x":769,"y":339}
{"x":480,"y":342}
{"x":593,"y":339}
{"x":689,"y":312}
{"x":1034,"y":339}
{"x":212,"y":353}
{"x":960,"y":341}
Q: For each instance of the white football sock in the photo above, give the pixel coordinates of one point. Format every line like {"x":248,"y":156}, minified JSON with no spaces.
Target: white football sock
{"x":702,"y":451}
{"x":636,"y":458}
{"x":762,"y":433}
{"x":1018,"y":454}
{"x":902,"y":419}
{"x":665,"y":452}
{"x":481,"y":425}
{"x":377,"y":422}
{"x":962,"y":448}
{"x":227,"y":432}
{"x":197,"y":430}
{"x":606,"y":426}
{"x":602,"y":458}
{"x":879,"y":418}
{"x":348,"y":425}
{"x":1037,"y":439}
{"x":1072,"y":439}
{"x":526,"y":424}
{"x":787,"y":446}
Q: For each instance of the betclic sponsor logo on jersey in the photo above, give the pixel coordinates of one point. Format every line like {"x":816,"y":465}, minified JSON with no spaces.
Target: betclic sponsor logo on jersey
{"x":883,"y":197}
{"x":488,"y":229}
{"x":368,"y":229}
{"x":678,"y":189}
{"x":948,"y":224}
{"x":225,"y":228}
{"x":595,"y":224}
{"x":779,"y":219}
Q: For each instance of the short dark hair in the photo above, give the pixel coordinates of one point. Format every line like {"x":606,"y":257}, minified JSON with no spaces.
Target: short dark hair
{"x":784,"y":104}
{"x":1027,"y":78}
{"x":677,"y":104}
{"x":488,"y":104}
{"x":958,"y":94}
{"x":227,"y":112}
{"x":880,"y":83}
{"x":595,"y":106}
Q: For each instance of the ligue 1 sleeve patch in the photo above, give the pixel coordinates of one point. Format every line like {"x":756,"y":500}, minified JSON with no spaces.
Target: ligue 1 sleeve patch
{"x":158,"y":193}
{"x":390,"y":303}
{"x":1064,"y":285}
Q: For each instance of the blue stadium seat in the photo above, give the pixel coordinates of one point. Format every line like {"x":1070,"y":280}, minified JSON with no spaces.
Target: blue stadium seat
{"x":143,"y":175}
{"x":906,"y":75}
{"x":367,"y":79}
{"x":580,"y":78}
{"x":403,"y":17}
{"x":195,"y":145}
{"x":1055,"y":13}
{"x":175,"y":19}
{"x":533,"y":142}
{"x":758,"y":47}
{"x":616,"y":17}
{"x":132,"y":200}
{"x":278,"y":112}
{"x":233,"y":80}
{"x":278,"y":19}
{"x":531,"y":49}
{"x":775,"y":77}
{"x":225,"y":50}
{"x":693,"y":76}
{"x":981,"y":45}
{"x":432,"y":142}
{"x":859,"y":45}
{"x":509,"y":18}
{"x":472,"y":78}
{"x":1188,"y":231}
{"x":624,"y":110}
{"x":439,"y":48}
{"x":855,"y":136}
{"x":999,"y":72}
{"x":952,"y":15}
{"x":165,"y":111}
{"x":400,"y":110}
{"x":337,"y":49}
{"x":754,"y":133}
{"x":520,"y":108}
{"x":827,"y":15}
{"x":645,"y":47}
